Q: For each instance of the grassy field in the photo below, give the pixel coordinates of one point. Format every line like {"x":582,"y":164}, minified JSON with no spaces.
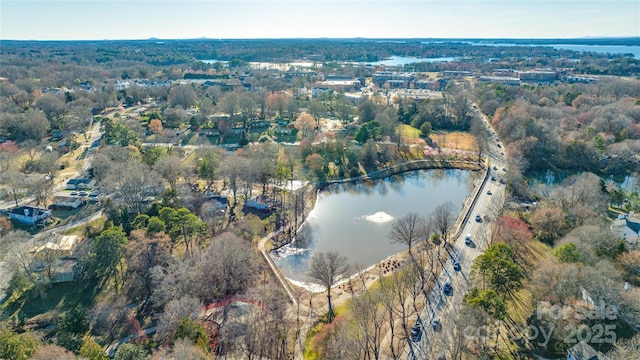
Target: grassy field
{"x":57,"y":298}
{"x":409,"y":131}
{"x":456,"y":140}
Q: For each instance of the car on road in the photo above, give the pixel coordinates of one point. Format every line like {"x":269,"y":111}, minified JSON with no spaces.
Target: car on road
{"x":504,"y":169}
{"x":456,"y":266}
{"x":489,"y":192}
{"x":435,"y":323}
{"x":467,"y":239}
{"x":83,"y":193}
{"x":74,"y":193}
{"x":495,"y":167}
{"x":447,"y":288}
{"x":94,"y":193}
{"x":416,"y":332}
{"x":493,"y":178}
{"x":478,"y":218}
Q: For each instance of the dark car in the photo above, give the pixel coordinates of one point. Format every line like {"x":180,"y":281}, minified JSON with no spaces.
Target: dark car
{"x":447,"y":288}
{"x":489,"y":192}
{"x":456,"y":266}
{"x":435,"y":323}
{"x":416,"y":332}
{"x":478,"y":218}
{"x":493,"y":178}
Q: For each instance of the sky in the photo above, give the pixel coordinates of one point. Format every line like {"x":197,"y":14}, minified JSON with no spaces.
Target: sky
{"x":242,"y":19}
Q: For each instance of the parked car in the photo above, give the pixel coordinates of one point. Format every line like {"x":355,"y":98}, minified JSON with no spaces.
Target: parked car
{"x":467,"y":239}
{"x":489,"y":192}
{"x":478,"y":218}
{"x":435,"y":323}
{"x":416,"y":332}
{"x":83,"y":193}
{"x":74,"y":193}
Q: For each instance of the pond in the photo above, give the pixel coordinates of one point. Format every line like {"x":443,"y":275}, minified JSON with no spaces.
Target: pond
{"x":354,"y":219}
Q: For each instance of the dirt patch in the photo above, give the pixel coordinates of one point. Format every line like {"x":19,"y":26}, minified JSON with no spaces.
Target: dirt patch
{"x":455,"y":140}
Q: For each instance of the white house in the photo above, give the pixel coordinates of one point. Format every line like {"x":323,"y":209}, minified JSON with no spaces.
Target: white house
{"x":627,"y":226}
{"x":73,"y":202}
{"x":29,"y":215}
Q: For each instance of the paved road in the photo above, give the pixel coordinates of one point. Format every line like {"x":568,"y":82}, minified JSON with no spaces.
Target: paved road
{"x":444,"y":307}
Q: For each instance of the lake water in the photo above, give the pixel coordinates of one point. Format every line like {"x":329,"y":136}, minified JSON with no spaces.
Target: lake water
{"x":611,"y":49}
{"x":404,"y":60}
{"x":355,"y":219}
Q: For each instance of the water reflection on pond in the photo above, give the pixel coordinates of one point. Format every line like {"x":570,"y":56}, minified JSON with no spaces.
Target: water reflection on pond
{"x":355,"y":219}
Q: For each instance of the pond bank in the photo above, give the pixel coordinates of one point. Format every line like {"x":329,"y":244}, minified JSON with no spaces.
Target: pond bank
{"x":423,"y":164}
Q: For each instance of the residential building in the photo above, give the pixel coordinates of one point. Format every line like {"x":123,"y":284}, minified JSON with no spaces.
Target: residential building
{"x":627,"y":226}
{"x":80,"y":184}
{"x":29,"y":215}
{"x":583,"y":351}
{"x":537,"y":76}
{"x":73,"y":202}
{"x":504,"y":80}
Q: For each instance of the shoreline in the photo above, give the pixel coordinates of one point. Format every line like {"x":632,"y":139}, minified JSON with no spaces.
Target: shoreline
{"x":395,"y":261}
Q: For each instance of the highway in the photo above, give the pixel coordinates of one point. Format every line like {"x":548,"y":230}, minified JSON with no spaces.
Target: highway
{"x":433,"y":343}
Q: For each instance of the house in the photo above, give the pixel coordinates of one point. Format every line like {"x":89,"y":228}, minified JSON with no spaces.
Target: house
{"x":29,"y":215}
{"x":73,"y":202}
{"x":80,"y":184}
{"x":59,"y":246}
{"x":582,"y":351}
{"x":627,"y":226}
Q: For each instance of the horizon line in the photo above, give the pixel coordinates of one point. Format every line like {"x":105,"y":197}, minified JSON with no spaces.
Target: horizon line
{"x":627,"y":37}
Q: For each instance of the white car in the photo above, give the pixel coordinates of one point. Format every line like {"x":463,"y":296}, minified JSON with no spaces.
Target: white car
{"x":467,"y":239}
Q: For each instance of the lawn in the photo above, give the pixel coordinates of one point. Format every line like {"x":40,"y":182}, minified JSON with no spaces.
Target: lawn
{"x":409,"y":131}
{"x":58,"y":298}
{"x":455,"y":140}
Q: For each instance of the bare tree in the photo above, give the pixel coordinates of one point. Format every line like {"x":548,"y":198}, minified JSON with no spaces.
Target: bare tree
{"x":15,"y":183}
{"x":482,"y":137}
{"x":408,"y":230}
{"x":134,"y":186}
{"x":326,"y":268}
{"x":182,"y":95}
{"x":443,"y":217}
{"x":368,"y":317}
{"x":232,"y":169}
{"x":175,"y":311}
{"x":170,"y":167}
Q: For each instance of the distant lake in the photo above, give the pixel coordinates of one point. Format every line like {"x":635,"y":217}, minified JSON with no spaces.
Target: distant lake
{"x":404,"y":60}
{"x":603,"y":49}
{"x":355,"y":219}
